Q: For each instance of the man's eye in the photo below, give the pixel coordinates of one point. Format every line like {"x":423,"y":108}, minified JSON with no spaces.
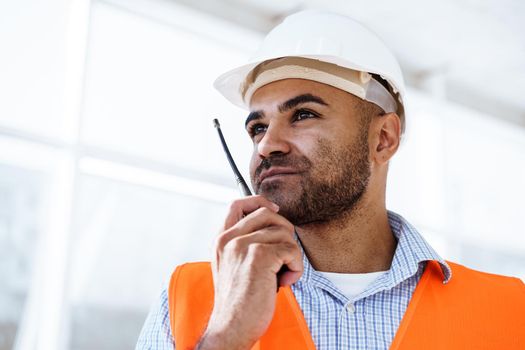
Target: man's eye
{"x":256,"y":129}
{"x":303,"y":114}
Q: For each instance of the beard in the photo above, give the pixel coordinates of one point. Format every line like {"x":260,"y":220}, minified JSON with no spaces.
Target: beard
{"x":330,"y":184}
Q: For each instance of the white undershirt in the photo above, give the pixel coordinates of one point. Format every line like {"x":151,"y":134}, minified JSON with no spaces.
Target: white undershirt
{"x":352,"y":284}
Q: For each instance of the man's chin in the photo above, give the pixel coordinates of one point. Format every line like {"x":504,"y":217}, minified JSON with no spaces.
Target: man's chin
{"x":288,"y":205}
{"x":280,"y":194}
{"x":278,"y":198}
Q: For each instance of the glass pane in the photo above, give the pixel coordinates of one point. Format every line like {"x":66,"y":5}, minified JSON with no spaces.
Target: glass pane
{"x":32,"y":65}
{"x":127,"y":240}
{"x":485,"y":168}
{"x":486,"y":258}
{"x":149,"y":92}
{"x":21,"y":194}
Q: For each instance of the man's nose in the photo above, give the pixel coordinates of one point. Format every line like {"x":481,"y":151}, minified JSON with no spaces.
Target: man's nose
{"x":274,"y":141}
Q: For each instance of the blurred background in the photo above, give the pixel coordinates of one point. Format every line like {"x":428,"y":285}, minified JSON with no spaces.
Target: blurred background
{"x":111,"y":172}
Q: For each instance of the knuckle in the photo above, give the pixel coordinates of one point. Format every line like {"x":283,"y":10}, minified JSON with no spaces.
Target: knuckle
{"x":285,"y":232}
{"x":220,"y":241}
{"x":289,"y":226}
{"x":289,"y":248}
{"x":234,"y":246}
{"x":259,"y":198}
{"x":264,"y":211}
{"x":235,"y":205}
{"x":225,"y":236}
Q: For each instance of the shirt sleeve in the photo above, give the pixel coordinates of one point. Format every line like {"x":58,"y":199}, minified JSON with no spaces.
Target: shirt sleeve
{"x":156,"y":332}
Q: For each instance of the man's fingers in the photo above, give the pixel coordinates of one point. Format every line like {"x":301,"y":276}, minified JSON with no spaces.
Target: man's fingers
{"x":260,"y":218}
{"x":255,"y":221}
{"x":287,"y":278}
{"x":240,"y":242}
{"x":293,"y":261}
{"x":276,"y":255}
{"x":244,"y":206}
{"x":290,"y":255}
{"x":266,"y":235}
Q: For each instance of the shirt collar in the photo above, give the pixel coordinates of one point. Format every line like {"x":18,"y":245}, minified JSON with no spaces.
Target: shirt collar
{"x":411,"y":253}
{"x":412,"y":249}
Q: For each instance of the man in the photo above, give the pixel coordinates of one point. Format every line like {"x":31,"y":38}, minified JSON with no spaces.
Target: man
{"x":326,"y":116}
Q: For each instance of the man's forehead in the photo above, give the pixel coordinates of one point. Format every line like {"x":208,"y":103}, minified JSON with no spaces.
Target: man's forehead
{"x":277,"y":93}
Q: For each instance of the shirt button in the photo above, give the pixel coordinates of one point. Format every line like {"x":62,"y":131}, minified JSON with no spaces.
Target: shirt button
{"x":350,"y":308}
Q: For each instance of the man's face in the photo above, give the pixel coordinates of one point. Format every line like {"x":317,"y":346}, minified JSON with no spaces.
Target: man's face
{"x":310,"y":149}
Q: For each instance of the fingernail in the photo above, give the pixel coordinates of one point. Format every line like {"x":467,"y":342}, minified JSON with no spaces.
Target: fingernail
{"x":275,"y":207}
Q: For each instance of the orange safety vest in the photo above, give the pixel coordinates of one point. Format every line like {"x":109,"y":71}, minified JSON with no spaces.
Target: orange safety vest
{"x":475,"y":310}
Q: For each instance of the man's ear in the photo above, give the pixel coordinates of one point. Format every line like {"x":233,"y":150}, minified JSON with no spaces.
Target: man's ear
{"x":386,"y":131}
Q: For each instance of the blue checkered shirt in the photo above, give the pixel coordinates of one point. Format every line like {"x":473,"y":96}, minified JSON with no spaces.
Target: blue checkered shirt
{"x":368,"y":321}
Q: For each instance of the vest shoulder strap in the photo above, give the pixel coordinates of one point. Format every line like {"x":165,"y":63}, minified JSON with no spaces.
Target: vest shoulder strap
{"x":474,"y":310}
{"x":190,"y":300}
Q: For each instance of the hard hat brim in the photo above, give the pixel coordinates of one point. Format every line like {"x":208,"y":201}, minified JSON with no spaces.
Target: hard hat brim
{"x":230,"y":83}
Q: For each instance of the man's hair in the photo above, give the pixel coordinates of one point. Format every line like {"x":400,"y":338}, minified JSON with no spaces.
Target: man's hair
{"x":366,"y":111}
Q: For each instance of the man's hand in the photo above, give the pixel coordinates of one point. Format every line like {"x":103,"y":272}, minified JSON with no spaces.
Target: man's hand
{"x":253,"y":246}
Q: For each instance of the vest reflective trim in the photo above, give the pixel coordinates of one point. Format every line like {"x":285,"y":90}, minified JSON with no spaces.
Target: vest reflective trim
{"x":475,"y":310}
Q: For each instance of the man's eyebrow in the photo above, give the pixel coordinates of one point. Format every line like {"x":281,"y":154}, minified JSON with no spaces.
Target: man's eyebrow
{"x":255,"y":115}
{"x":299,"y":99}
{"x":287,"y":105}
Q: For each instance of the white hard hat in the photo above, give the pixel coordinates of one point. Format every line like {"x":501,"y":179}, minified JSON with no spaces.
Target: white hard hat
{"x":321,"y":39}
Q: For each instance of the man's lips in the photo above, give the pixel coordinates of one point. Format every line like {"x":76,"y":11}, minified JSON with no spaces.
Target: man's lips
{"x":275,"y":171}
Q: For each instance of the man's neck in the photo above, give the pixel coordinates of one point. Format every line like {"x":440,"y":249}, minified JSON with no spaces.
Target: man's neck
{"x":357,"y":242}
